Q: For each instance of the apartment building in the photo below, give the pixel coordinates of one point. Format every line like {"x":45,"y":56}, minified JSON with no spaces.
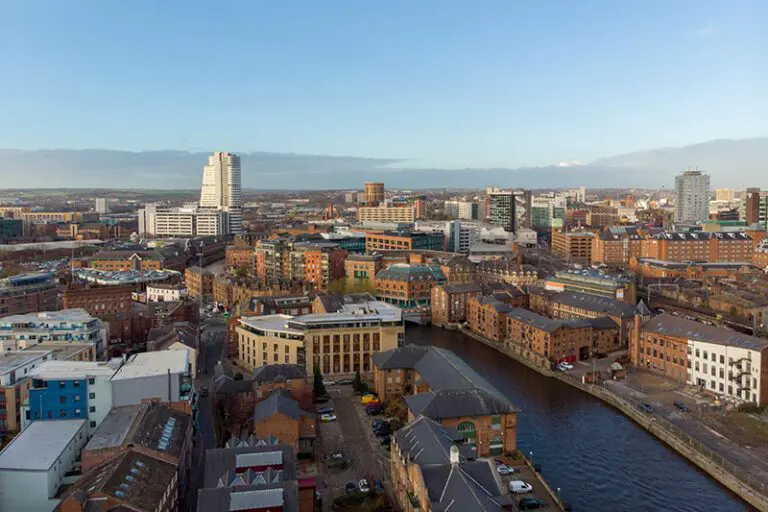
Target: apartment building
{"x":441,"y":386}
{"x":384,"y":213}
{"x":703,"y":247}
{"x":573,"y":246}
{"x":612,"y":248}
{"x":186,"y":221}
{"x":164,"y":292}
{"x":594,"y":282}
{"x":53,"y":327}
{"x":199,"y":283}
{"x":408,"y":285}
{"x":722,"y":362}
{"x":59,"y":217}
{"x":240,"y":256}
{"x":361,"y":269}
{"x":169,"y":257}
{"x":318,"y":263}
{"x":449,"y":302}
{"x":760,"y":255}
{"x":340,"y":343}
{"x":15,"y":381}
{"x":28,"y":293}
{"x":100,"y":301}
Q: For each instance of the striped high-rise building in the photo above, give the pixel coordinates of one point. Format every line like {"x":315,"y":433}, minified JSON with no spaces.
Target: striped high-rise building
{"x":222,"y":188}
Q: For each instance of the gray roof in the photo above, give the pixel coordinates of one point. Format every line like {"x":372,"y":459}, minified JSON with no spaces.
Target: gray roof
{"x":282,"y":495}
{"x":403,"y":357}
{"x":457,"y":403}
{"x":274,"y":372}
{"x":463,"y":288}
{"x":219,"y":461}
{"x":670,"y":325}
{"x":279,"y":401}
{"x":643,"y":310}
{"x":551,"y":325}
{"x":603,"y":322}
{"x":426,"y":442}
{"x":465,"y":486}
{"x":597,"y":304}
{"x":228,"y":385}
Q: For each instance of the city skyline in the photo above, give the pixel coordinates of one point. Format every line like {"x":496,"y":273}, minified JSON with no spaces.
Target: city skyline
{"x":504,"y":86}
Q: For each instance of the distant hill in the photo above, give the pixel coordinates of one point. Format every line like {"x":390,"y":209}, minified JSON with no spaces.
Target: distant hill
{"x":734,"y":163}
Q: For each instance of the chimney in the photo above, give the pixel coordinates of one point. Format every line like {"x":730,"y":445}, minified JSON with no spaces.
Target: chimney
{"x":454,"y":456}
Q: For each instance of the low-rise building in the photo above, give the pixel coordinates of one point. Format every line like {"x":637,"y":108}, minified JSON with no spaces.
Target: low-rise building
{"x":361,"y":269}
{"x":573,"y":246}
{"x":438,"y":384}
{"x":53,"y":327}
{"x":611,"y":248}
{"x":340,"y":343}
{"x":100,"y":301}
{"x":649,"y":268}
{"x":34,"y":464}
{"x":403,"y":241}
{"x":280,"y":415}
{"x":165,"y":292}
{"x":450,"y":302}
{"x":199,"y":283}
{"x":28,"y":293}
{"x":164,"y":376}
{"x":15,"y":380}
{"x":593,"y":282}
{"x":177,"y":336}
{"x":486,"y":314}
{"x":408,"y":285}
{"x":240,"y":256}
{"x":169,"y":257}
{"x":432,"y":470}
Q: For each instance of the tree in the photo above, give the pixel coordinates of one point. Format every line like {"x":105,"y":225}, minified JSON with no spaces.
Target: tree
{"x":318,"y":388}
{"x":238,"y":376}
{"x":357,"y":382}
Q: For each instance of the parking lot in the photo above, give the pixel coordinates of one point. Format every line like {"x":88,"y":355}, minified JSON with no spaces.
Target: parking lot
{"x":527,"y":475}
{"x":350,"y":435}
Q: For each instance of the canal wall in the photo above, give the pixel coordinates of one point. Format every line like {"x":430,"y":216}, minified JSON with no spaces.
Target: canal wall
{"x":681,"y":442}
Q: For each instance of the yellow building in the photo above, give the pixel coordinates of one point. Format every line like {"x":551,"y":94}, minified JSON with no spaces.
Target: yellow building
{"x":340,"y":343}
{"x":386,"y":214}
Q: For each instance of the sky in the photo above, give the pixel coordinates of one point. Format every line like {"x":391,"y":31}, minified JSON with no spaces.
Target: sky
{"x":449,"y":84}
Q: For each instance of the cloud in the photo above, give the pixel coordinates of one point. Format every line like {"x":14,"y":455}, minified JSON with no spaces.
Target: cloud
{"x":711,"y":31}
{"x":572,"y":163}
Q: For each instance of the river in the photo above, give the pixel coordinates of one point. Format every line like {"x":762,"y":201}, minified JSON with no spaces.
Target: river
{"x":599,"y":459}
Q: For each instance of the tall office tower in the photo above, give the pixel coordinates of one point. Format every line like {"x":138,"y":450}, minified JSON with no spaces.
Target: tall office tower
{"x":502,"y":210}
{"x":523,"y":205}
{"x":754,"y":207}
{"x":373,"y":193}
{"x":222,"y":188}
{"x":724,"y":194}
{"x":101,"y":205}
{"x":692,"y":197}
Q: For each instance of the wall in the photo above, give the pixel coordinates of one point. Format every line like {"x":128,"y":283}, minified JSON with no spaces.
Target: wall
{"x":133,"y":391}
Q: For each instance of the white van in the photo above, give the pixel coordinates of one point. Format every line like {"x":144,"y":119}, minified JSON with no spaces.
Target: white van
{"x":519,"y":487}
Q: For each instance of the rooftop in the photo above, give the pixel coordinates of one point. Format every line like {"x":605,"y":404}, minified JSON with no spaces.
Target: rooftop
{"x":279,"y":401}
{"x":146,"y":364}
{"x":277,"y":322}
{"x":670,"y":325}
{"x":700,"y":235}
{"x":10,"y":361}
{"x":50,"y":370}
{"x":69,"y":316}
{"x":274,"y":372}
{"x":458,"y":403}
{"x":596,"y":304}
{"x":39,"y":445}
{"x":411,"y":272}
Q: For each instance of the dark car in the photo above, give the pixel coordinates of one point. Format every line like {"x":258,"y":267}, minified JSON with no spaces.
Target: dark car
{"x":321,"y":399}
{"x":344,"y":382}
{"x":385,"y":440}
{"x":680,"y":405}
{"x":325,"y":410}
{"x":377,"y":423}
{"x":646,"y":408}
{"x":382,"y":431}
{"x":372,"y":410}
{"x":350,"y":487}
{"x":531,"y":504}
{"x":204,"y":391}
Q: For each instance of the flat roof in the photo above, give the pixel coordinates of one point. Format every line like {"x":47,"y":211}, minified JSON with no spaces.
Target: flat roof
{"x":71,"y":369}
{"x":74,"y":315}
{"x":270,"y":323}
{"x":114,"y":428}
{"x":12,"y":360}
{"x":39,"y":445}
{"x":147,"y":364}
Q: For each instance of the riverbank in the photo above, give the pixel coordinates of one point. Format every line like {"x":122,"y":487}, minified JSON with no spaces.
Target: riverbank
{"x":681,"y":442}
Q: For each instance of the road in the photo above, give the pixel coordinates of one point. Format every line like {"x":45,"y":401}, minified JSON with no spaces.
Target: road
{"x":212,"y":341}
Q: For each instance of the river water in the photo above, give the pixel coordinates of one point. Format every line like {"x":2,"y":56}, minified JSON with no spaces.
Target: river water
{"x":599,"y":459}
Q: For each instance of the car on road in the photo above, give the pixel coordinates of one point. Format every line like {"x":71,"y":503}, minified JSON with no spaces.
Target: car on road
{"x":681,"y":405}
{"x":329,"y":382}
{"x":204,"y":391}
{"x":363,"y":485}
{"x":503,"y":469}
{"x":646,"y":408}
{"x":382,"y":431}
{"x":325,"y":410}
{"x":344,"y":382}
{"x":327,"y":418}
{"x":566,"y":365}
{"x":519,"y":487}
{"x":531,"y":504}
{"x":321,"y":399}
{"x":350,"y":487}
{"x":372,"y":409}
{"x":369,"y":399}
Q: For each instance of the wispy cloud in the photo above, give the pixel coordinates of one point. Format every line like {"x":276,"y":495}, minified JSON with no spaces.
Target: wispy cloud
{"x":711,"y":31}
{"x":572,"y":163}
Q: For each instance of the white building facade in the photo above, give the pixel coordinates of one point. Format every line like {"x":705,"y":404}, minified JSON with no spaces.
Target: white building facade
{"x":165,"y":292}
{"x":222,"y":188}
{"x":692,"y":197}
{"x":728,"y":370}
{"x":185,"y":221}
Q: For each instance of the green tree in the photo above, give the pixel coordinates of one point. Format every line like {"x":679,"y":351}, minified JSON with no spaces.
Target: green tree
{"x":357,"y":382}
{"x":318,"y":388}
{"x":238,"y":376}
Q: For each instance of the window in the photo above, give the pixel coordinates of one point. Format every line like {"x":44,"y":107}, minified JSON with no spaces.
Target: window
{"x":711,"y":384}
{"x":91,"y":395}
{"x":93,"y":424}
{"x":91,"y":409}
{"x":722,"y":373}
{"x":76,"y":384}
{"x":76,"y":398}
{"x":721,"y":387}
{"x":62,"y":399}
{"x":63,"y":413}
{"x":722,"y":359}
{"x":697,"y":353}
{"x":496,"y":422}
{"x":714,"y":357}
{"x":62,"y":384}
{"x":714,"y":371}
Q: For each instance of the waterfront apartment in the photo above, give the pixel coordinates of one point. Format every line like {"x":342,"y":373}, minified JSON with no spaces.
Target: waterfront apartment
{"x":53,"y":327}
{"x":432,"y":469}
{"x":28,"y":293}
{"x":408,"y":285}
{"x":723,"y":362}
{"x":340,"y":343}
{"x":438,"y":384}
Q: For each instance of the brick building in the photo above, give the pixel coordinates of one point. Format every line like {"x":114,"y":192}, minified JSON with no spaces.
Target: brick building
{"x":486,"y":315}
{"x":573,"y":246}
{"x":615,"y":248}
{"x":240,"y":256}
{"x":360,"y":270}
{"x":100,"y":301}
{"x":403,"y":241}
{"x":169,"y":257}
{"x":199,"y":283}
{"x":28,"y":293}
{"x":408,"y":285}
{"x":450,"y":302}
{"x":718,"y":247}
{"x":281,"y":416}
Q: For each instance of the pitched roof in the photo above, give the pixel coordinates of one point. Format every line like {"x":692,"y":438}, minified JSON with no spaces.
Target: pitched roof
{"x":424,"y":441}
{"x":219,"y":461}
{"x":465,"y":486}
{"x":596,"y":304}
{"x":279,"y":401}
{"x":404,"y":357}
{"x":456,"y":403}
{"x":276,"y":372}
{"x":670,"y":325}
{"x":283,"y":496}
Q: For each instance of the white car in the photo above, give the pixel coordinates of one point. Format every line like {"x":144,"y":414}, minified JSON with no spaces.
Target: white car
{"x":327,"y":418}
{"x":566,"y":365}
{"x":503,"y":469}
{"x":519,"y":487}
{"x":363,"y":485}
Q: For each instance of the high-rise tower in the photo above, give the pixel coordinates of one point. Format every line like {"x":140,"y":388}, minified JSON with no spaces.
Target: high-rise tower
{"x":692,"y":197}
{"x":222,"y":188}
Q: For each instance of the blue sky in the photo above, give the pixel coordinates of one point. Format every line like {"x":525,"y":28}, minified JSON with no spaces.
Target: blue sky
{"x":445,"y":83}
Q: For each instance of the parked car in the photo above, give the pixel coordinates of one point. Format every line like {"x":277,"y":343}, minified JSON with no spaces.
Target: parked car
{"x":567,"y":365}
{"x":372,"y":409}
{"x":321,"y":399}
{"x":381,"y":432}
{"x":350,"y":487}
{"x":385,"y":440}
{"x":329,"y":382}
{"x":327,"y":418}
{"x":503,"y":469}
{"x":344,"y":382}
{"x":519,"y":487}
{"x":204,"y":391}
{"x":646,"y":408}
{"x":531,"y":504}
{"x":363,"y":485}
{"x":325,"y":410}
{"x":681,"y":405}
{"x":377,"y":423}
{"x":369,"y":399}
